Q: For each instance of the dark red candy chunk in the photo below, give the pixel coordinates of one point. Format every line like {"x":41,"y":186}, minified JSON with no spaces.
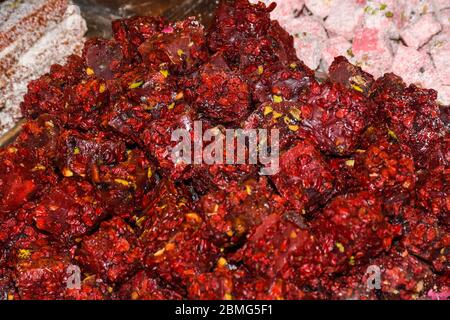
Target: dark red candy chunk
{"x":176,"y":248}
{"x":23,"y":177}
{"x":231,"y":214}
{"x":121,"y":187}
{"x":275,"y":46}
{"x":143,"y":287}
{"x":352,"y":229}
{"x":40,"y":137}
{"x":336,"y":117}
{"x":152,"y":88}
{"x":16,"y":186}
{"x":426,"y":238}
{"x":283,"y":116}
{"x":412,"y":114}
{"x":44,"y":95}
{"x":76,"y":97}
{"x":17,"y":235}
{"x":439,"y":153}
{"x":128,"y":120}
{"x":342,"y":169}
{"x":166,"y":208}
{"x":136,"y":175}
{"x":112,"y":252}
{"x":181,"y":45}
{"x":223,"y":96}
{"x":70,"y":73}
{"x":281,"y":82}
{"x":158,"y":142}
{"x":433,"y":193}
{"x":351,"y":76}
{"x":270,"y":247}
{"x":221,"y":168}
{"x":69,"y":210}
{"x":234,"y":23}
{"x":386,"y":167}
{"x":404,"y":276}
{"x":187,"y":254}
{"x":80,"y":154}
{"x":132,"y":32}
{"x":104,"y":57}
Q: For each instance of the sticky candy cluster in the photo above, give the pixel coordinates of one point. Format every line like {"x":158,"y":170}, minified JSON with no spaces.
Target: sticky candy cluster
{"x":90,"y":183}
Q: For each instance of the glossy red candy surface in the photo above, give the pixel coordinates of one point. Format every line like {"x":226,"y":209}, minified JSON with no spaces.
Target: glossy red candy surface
{"x":90,"y":185}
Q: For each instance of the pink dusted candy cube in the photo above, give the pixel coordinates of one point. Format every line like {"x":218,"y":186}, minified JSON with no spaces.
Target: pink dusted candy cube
{"x":444,"y":18}
{"x":415,"y":9}
{"x":420,"y":32}
{"x":443,"y":95}
{"x":439,"y":49}
{"x":372,"y":51}
{"x":320,"y":8}
{"x":336,"y":46}
{"x":344,"y":17}
{"x":385,"y":15}
{"x":309,"y":37}
{"x":415,"y":67}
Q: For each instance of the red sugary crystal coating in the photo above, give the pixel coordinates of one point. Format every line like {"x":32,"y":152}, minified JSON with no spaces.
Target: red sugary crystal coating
{"x":186,"y":255}
{"x":336,"y":117}
{"x":232,"y":213}
{"x":182,"y":46}
{"x":283,"y":116}
{"x":223,"y":96}
{"x":432,"y":193}
{"x":353,"y":77}
{"x":165,"y":210}
{"x":112,"y":252}
{"x":386,"y":168}
{"x":426,"y":238}
{"x":353,"y":225}
{"x":90,"y":185}
{"x":90,"y":288}
{"x":304,"y":179}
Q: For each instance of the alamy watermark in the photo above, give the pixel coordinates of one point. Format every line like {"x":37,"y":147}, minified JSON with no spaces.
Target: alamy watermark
{"x":227,"y":146}
{"x":73,"y":281}
{"x":373,"y":281}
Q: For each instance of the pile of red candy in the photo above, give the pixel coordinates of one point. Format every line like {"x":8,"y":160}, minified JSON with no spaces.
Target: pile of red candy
{"x":90,"y":183}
